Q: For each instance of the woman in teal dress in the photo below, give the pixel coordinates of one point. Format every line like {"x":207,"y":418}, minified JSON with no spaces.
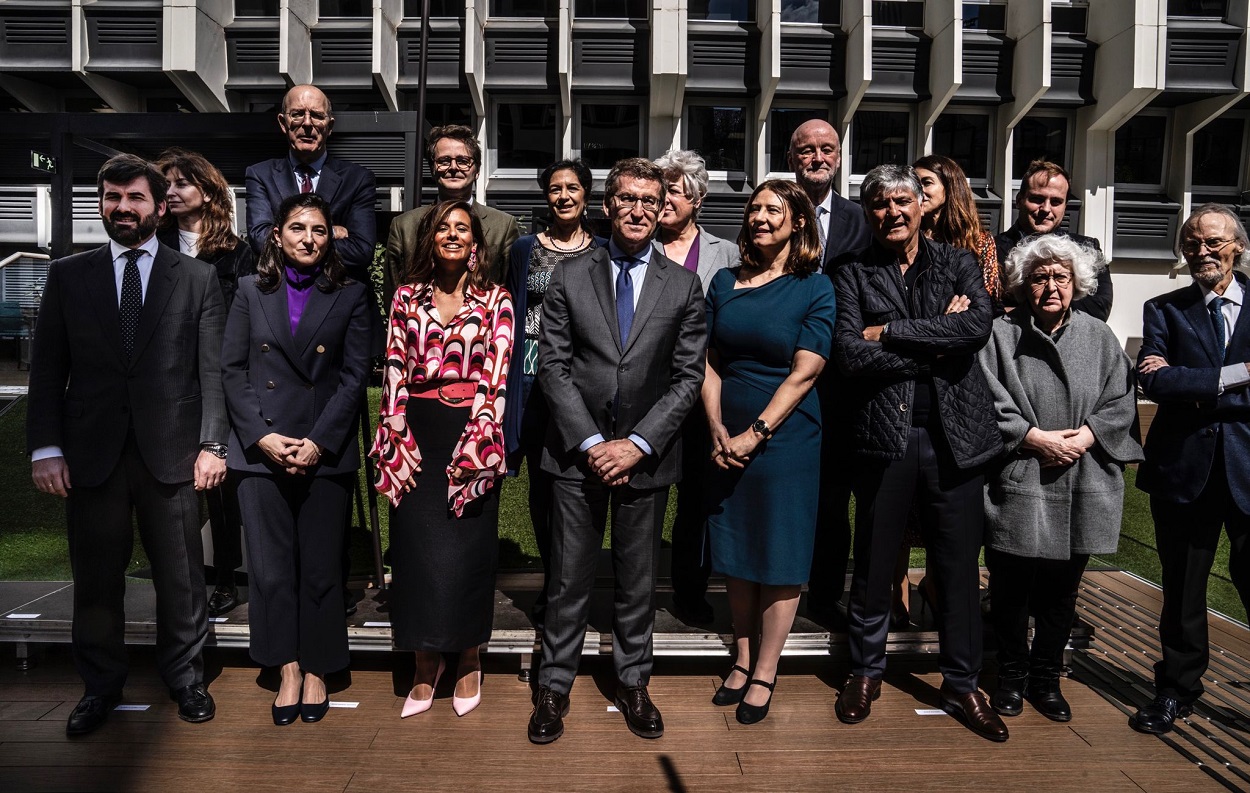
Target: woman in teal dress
{"x":770,"y":325}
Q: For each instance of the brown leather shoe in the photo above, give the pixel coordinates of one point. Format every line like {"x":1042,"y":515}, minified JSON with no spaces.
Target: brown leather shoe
{"x":855,"y":702}
{"x":975,"y":712}
{"x":641,"y":715}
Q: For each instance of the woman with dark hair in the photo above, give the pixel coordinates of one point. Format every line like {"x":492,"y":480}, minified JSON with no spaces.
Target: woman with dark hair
{"x":200,"y":223}
{"x":950,"y":216}
{"x":770,"y":329}
{"x":534,"y":257}
{"x":294,"y":361}
{"x":442,"y":402}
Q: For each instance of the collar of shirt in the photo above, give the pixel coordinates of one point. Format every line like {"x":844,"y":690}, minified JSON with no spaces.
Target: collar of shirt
{"x":151,"y":246}
{"x":1233,"y":294}
{"x":827,"y":204}
{"x":301,"y":279}
{"x":316,"y":164}
{"x":643,"y":256}
{"x":144,"y":264}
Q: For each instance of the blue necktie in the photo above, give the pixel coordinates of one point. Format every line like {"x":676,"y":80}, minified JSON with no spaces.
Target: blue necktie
{"x":625,"y":298}
{"x":1217,"y":323}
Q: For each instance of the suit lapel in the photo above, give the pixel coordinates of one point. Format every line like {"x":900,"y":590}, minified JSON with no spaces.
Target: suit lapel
{"x":284,"y":177}
{"x":160,"y":287}
{"x":328,"y":182}
{"x":101,"y":285}
{"x":708,"y":255}
{"x":652,"y":285}
{"x":1200,"y":319}
{"x":274,"y":306}
{"x":318,"y":306}
{"x":1243,"y":322}
{"x":601,"y":280}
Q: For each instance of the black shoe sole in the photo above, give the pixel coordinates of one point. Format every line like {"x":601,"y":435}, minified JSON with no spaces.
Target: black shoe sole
{"x":197,"y":719}
{"x":959,"y":716}
{"x":545,"y":739}
{"x":641,"y":733}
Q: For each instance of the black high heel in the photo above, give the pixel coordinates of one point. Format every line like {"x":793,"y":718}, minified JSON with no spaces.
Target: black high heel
{"x":731,"y":696}
{"x":752,"y":714}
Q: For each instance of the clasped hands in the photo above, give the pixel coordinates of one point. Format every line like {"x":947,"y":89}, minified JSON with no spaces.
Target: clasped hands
{"x":1059,"y":447}
{"x":612,"y":461}
{"x":295,"y":455}
{"x":733,"y":452}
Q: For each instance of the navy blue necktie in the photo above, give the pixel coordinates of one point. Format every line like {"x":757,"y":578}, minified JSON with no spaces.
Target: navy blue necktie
{"x":625,"y":297}
{"x":1217,"y":323}
{"x":131,"y":304}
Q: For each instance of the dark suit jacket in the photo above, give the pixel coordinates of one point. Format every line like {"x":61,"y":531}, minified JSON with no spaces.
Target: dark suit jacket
{"x":1192,"y":418}
{"x":1097,"y":305}
{"x":348,"y":188}
{"x":848,"y":234}
{"x":302,"y":386}
{"x":583,"y":364}
{"x":84,"y":396}
{"x":500,"y":228}
{"x":230,"y":265}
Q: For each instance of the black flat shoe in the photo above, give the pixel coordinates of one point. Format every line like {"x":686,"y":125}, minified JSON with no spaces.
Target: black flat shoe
{"x":314,"y":713}
{"x":285,"y":714}
{"x":89,"y":714}
{"x":752,"y":714}
{"x":731,"y":696}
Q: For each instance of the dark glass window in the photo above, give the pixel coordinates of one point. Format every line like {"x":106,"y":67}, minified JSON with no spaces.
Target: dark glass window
{"x":1070,"y":20}
{"x":610,"y":133}
{"x":782,"y":122}
{"x":610,"y":9}
{"x":525,"y":135}
{"x":438,"y":114}
{"x":730,"y":10}
{"x":1217,"y":153}
{"x":1204,"y":9}
{"x":897,"y":14}
{"x":1040,"y":138}
{"x":985,"y":17}
{"x":1139,"y":152}
{"x":438,"y":8}
{"x":256,"y":8}
{"x":824,"y":12}
{"x":347,"y":8}
{"x":965,"y":138}
{"x":719,"y":134}
{"x":879,"y":137}
{"x":524,"y":8}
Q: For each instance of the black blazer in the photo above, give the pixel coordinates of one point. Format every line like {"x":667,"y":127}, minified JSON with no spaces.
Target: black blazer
{"x":1193,"y":418}
{"x":302,"y":386}
{"x":231,"y":265}
{"x":848,"y":234}
{"x":1097,"y":305}
{"x":85,"y":396}
{"x":348,"y":188}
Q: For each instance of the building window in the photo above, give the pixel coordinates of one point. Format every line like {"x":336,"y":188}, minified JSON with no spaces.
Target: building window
{"x":525,"y":135}
{"x":782,"y":122}
{"x":822,"y":12}
{"x":524,"y":8}
{"x":1140,"y":149}
{"x":439,"y":114}
{"x":985,"y":16}
{"x":879,"y":137}
{"x":1217,"y":154}
{"x":1198,"y":9}
{"x":347,"y":8}
{"x":256,"y":8}
{"x":897,"y":14}
{"x":965,"y":138}
{"x":609,"y":133}
{"x":726,"y":10}
{"x":610,"y":9}
{"x":1041,"y":138}
{"x":719,"y":134}
{"x":1069,"y":19}
{"x":438,"y":8}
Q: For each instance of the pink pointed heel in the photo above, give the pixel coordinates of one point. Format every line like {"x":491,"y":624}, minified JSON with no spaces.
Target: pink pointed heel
{"x":414,"y":706}
{"x":463,"y":705}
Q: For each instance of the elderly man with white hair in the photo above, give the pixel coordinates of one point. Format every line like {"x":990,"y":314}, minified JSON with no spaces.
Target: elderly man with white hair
{"x":1194,"y":365}
{"x":1066,"y":407}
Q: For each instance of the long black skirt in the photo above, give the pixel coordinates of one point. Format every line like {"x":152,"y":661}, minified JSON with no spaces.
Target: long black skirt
{"x":442,"y":567}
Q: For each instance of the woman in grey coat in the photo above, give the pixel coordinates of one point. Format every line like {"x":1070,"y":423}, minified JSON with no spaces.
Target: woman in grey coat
{"x":1066,"y":406}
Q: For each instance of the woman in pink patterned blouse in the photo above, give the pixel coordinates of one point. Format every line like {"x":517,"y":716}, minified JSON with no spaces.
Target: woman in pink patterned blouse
{"x":440,"y":450}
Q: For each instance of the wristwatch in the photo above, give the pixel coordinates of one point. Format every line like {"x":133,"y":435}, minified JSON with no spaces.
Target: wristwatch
{"x":762,"y":428}
{"x":218,"y":450}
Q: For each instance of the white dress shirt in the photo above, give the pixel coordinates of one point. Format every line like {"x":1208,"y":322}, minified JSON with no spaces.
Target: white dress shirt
{"x":1235,"y":374}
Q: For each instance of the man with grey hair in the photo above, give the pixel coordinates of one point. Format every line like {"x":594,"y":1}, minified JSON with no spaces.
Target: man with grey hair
{"x":912,"y":314}
{"x":1194,"y":364}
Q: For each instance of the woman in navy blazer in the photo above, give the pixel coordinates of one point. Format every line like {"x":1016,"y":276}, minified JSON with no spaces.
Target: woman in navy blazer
{"x":293,"y":366}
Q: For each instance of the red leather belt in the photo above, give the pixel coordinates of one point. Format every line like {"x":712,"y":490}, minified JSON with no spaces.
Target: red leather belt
{"x":448,"y":392}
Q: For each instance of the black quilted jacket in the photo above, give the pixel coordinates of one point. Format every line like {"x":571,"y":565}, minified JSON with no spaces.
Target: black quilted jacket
{"x":880,"y":376}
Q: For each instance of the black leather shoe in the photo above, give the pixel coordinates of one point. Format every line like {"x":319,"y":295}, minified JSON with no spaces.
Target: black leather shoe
{"x":89,"y":714}
{"x":1008,"y":698}
{"x":731,"y":696}
{"x":641,"y":715}
{"x":975,"y":712}
{"x":195,"y":704}
{"x":224,"y":598}
{"x":1157,"y":717}
{"x":751,"y":714}
{"x":1045,"y":696}
{"x":314,"y":713}
{"x":693,"y":611}
{"x":285,"y":714}
{"x":547,"y":720}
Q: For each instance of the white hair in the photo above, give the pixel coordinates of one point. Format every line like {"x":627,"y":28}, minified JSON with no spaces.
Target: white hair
{"x":1040,"y":249}
{"x":692,"y":167}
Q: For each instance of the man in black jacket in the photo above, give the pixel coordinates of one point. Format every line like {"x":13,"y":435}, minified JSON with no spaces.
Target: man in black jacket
{"x":912,"y":315}
{"x":1041,"y":202}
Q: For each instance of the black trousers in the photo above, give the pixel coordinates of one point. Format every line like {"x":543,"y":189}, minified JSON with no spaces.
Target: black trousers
{"x":1045,"y":589}
{"x":832,"y":551}
{"x":101,"y":540}
{"x":294,"y":529}
{"x":1186,"y":536}
{"x":691,"y":555}
{"x":581,"y":511}
{"x":951,"y":519}
{"x":534,"y":419}
{"x":225,"y":526}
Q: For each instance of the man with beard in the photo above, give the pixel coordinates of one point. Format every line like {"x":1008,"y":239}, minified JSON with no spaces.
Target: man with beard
{"x":1193,"y":363}
{"x":126,"y":413}
{"x":815,"y":155}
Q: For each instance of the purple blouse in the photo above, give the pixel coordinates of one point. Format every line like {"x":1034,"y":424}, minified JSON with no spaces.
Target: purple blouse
{"x":299,"y":284}
{"x":692,"y":256}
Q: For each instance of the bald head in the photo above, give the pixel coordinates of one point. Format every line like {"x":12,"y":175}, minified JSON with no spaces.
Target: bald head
{"x":815,"y":155}
{"x":307,"y":120}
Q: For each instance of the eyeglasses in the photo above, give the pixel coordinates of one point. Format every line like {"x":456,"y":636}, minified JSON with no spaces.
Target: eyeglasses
{"x":1195,"y":246}
{"x":626,"y":201}
{"x":315,"y":117}
{"x":445,"y":163}
{"x":1039,"y":280}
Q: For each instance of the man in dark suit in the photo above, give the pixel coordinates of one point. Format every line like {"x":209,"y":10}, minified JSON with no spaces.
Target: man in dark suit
{"x":1041,"y":204}
{"x":624,"y":334}
{"x":815,"y":155}
{"x":1193,"y":363}
{"x":307,"y":120}
{"x":455,"y":159}
{"x":127,"y":413}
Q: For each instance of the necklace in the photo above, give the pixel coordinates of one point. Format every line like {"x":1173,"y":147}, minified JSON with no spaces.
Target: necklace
{"x":581,"y":237}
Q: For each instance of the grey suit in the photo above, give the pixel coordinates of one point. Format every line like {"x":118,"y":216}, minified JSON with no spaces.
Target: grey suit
{"x":652,"y":378}
{"x":714,"y":254}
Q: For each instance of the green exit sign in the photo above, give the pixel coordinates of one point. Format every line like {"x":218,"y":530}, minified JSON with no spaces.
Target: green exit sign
{"x":42,"y":162}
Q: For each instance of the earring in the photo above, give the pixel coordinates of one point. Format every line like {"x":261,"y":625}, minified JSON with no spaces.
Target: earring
{"x":472,"y":258}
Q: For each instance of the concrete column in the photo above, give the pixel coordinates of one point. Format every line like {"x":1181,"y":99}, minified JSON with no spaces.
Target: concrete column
{"x":119,"y":96}
{"x":768,"y":17}
{"x":476,"y":13}
{"x":669,"y":66}
{"x":193,"y":50}
{"x":564,"y":68}
{"x":296,"y":21}
{"x":387,"y":14}
{"x":857,"y":22}
{"x":1028,"y":23}
{"x":944,"y":25}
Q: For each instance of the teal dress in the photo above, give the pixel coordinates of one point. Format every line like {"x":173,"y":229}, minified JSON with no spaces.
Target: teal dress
{"x":762,"y":517}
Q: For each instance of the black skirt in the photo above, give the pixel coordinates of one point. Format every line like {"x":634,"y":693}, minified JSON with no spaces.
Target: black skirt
{"x":442,"y":594}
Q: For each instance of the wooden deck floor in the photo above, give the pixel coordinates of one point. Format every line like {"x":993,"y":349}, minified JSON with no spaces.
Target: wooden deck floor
{"x":801,"y":746}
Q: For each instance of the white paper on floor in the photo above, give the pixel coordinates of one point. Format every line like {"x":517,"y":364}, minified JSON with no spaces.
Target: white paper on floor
{"x":337,"y":704}
{"x":613,"y":709}
{"x":930,"y":712}
{"x":132,"y":707}
{"x":22,"y":616}
{"x":377,"y":625}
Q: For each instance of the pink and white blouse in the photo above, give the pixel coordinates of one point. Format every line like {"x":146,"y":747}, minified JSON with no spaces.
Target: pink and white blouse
{"x":474,"y":345}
